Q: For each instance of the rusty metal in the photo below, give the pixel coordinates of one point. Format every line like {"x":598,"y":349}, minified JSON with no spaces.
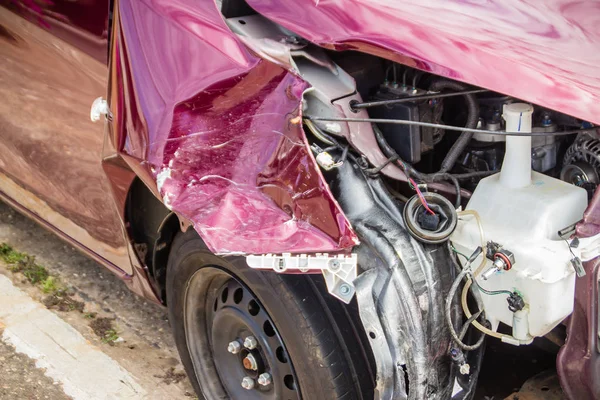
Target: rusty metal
{"x":543,"y":386}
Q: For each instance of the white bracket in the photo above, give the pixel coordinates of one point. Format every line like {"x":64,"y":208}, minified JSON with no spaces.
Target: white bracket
{"x":339,"y":271}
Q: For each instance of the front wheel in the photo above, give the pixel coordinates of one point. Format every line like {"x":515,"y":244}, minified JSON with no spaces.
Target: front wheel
{"x":244,"y":334}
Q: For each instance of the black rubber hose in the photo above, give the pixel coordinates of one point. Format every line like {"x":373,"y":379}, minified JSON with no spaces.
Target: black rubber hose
{"x":472,"y":119}
{"x":448,"y":314}
{"x":388,"y":151}
{"x":465,"y":271}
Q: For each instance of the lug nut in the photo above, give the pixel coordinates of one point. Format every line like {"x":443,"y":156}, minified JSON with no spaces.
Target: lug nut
{"x":264,"y":379}
{"x":234,"y":347}
{"x":248,"y":383}
{"x":250,"y":362}
{"x":250,"y":343}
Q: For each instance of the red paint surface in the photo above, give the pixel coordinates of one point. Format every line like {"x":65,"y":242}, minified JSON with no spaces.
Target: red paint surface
{"x":545,"y":52}
{"x":218,"y":129}
{"x":578,"y":361}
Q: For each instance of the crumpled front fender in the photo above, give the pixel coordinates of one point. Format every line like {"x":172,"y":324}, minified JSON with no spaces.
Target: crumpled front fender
{"x":216,"y":132}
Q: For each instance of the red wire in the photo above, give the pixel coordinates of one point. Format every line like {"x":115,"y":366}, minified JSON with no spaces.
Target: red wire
{"x":421,"y":197}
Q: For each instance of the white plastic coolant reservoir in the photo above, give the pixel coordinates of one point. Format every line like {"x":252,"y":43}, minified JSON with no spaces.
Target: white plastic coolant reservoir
{"x":524,"y":216}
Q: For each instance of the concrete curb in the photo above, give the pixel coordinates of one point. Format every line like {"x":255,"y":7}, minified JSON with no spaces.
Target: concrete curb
{"x":85,"y":372}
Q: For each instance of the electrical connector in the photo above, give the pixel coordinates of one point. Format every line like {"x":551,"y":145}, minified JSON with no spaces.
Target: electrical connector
{"x":458,"y":357}
{"x":429,"y":222}
{"x":515,"y":302}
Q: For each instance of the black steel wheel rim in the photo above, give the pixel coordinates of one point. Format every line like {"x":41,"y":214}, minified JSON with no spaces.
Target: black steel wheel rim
{"x":231,"y":313}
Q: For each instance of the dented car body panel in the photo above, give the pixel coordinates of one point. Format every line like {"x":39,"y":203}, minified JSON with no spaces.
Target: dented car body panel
{"x":223,"y":142}
{"x":506,"y":46}
{"x":179,"y":133}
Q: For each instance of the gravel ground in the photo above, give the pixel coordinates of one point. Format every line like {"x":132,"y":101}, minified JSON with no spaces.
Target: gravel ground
{"x":145,"y":346}
{"x":21,"y":380}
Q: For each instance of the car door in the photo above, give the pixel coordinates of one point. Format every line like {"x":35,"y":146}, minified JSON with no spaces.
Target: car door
{"x":52,"y":66}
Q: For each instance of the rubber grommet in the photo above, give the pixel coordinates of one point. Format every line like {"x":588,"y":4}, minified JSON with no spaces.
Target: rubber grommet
{"x":441,"y":206}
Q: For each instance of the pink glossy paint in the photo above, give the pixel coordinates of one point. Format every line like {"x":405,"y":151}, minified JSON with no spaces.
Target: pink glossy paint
{"x":545,"y":52}
{"x":219,"y":131}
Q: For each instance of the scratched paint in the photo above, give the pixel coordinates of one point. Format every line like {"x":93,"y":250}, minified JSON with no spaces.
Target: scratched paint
{"x":222,"y":140}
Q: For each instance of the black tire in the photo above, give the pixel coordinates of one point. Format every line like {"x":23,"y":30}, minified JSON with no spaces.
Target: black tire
{"x":317,"y":332}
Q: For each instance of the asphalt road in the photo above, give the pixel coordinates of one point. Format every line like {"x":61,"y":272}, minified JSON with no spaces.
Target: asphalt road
{"x":20,"y":379}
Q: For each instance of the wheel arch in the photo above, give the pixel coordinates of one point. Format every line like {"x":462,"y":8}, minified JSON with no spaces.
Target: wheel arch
{"x":151,"y":227}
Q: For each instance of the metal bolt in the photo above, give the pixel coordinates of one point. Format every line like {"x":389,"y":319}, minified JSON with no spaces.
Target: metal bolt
{"x":264,"y":379}
{"x":250,"y":343}
{"x":234,"y":347}
{"x":248,"y":383}
{"x":344,"y":289}
{"x":250,"y":362}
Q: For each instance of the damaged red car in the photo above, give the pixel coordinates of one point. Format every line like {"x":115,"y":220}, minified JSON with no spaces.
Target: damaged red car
{"x":334,"y":199}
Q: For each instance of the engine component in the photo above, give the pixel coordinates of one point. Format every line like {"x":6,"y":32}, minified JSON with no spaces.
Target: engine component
{"x":323,"y":158}
{"x":458,"y":357}
{"x":427,"y":227}
{"x":466,"y":135}
{"x":544,"y":149}
{"x":483,"y":156}
{"x":515,"y":302}
{"x":405,"y":140}
{"x":486,"y":151}
{"x":581,"y":165}
{"x":524,"y":210}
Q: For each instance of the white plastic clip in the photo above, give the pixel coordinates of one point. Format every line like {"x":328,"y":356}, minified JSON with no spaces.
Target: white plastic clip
{"x":339,"y":271}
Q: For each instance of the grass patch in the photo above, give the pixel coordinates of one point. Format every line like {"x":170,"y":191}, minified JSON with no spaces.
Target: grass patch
{"x":52,"y":286}
{"x":110,"y":337}
{"x":105,"y":329}
{"x":9,"y":255}
{"x":90,"y":315}
{"x":23,"y":263}
{"x":58,"y":297}
{"x":63,"y":302}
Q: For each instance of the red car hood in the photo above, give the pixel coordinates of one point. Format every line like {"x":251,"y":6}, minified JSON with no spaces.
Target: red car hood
{"x":545,"y":52}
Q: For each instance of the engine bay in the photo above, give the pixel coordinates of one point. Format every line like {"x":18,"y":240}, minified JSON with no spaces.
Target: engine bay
{"x":465,"y":202}
{"x":505,"y":193}
{"x":518,"y":196}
